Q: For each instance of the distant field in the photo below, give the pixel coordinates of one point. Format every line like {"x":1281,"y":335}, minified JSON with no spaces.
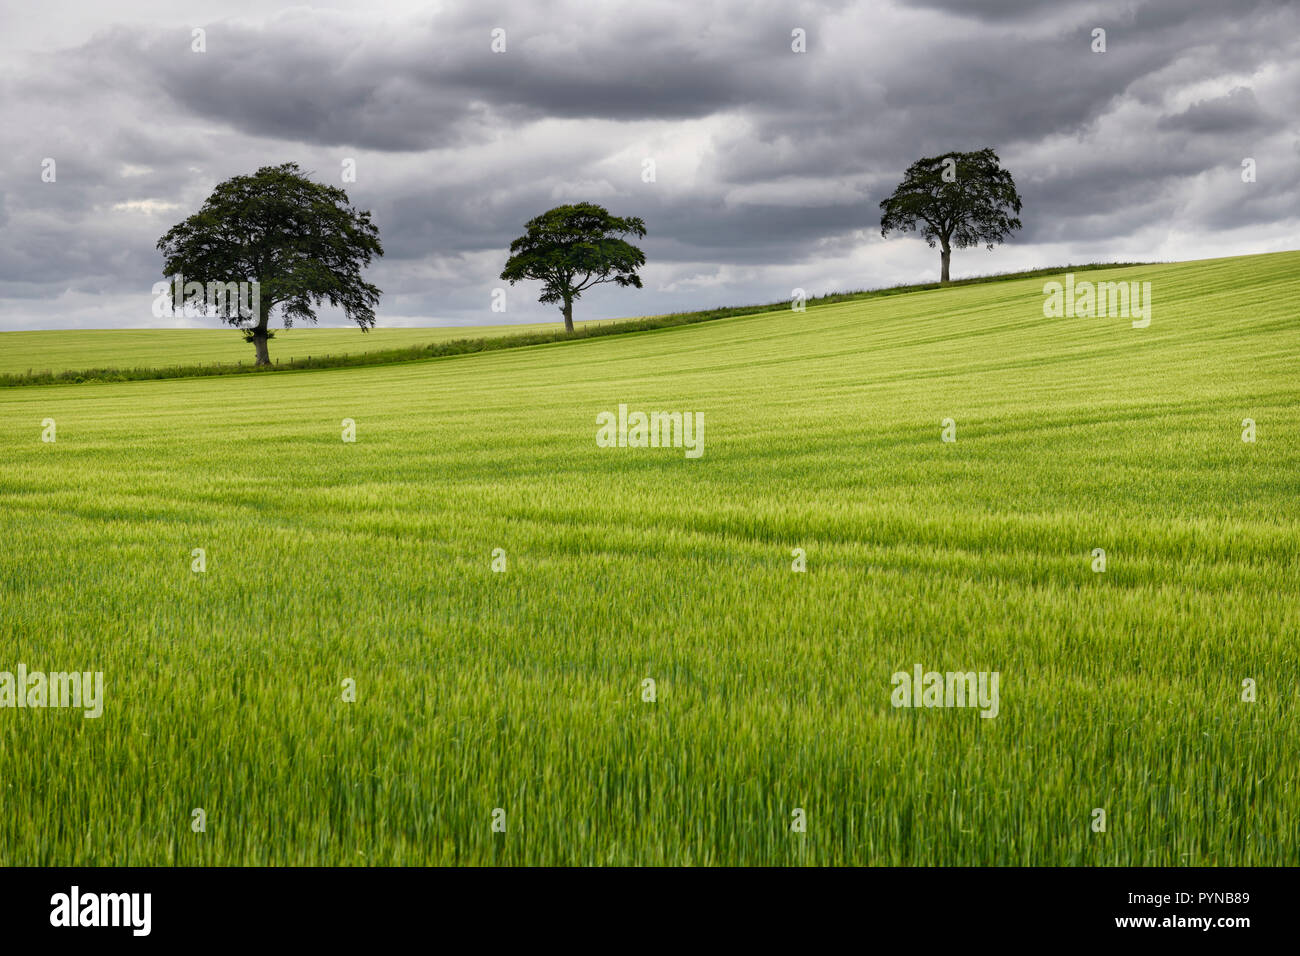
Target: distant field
{"x":186,"y":352}
{"x":60,"y":350}
{"x":523,"y":691}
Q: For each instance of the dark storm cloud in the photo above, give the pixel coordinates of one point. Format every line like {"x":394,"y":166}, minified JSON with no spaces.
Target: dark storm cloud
{"x":1000,"y":10}
{"x":771,"y":164}
{"x":1237,"y":112}
{"x":307,"y":77}
{"x":1144,"y":15}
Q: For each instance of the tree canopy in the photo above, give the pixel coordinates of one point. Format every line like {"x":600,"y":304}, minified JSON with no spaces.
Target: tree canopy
{"x":573,"y":247}
{"x":957,"y":199}
{"x":300,"y":241}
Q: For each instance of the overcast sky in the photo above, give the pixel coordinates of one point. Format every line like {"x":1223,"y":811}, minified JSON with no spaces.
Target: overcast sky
{"x":769,"y":165}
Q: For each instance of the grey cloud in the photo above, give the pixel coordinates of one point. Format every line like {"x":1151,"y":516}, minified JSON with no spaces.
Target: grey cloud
{"x":1237,"y":112}
{"x":787,"y":156}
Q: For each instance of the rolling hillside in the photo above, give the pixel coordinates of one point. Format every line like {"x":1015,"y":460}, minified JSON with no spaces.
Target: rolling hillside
{"x":523,"y":690}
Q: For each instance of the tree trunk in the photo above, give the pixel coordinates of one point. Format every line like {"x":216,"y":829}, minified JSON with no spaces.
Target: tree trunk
{"x":945,"y":257}
{"x":568,"y":316}
{"x":259,"y":334}
{"x":259,"y":343}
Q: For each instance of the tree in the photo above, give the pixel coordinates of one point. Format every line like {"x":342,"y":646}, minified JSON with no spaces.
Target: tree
{"x":957,"y":199}
{"x":297,"y":242}
{"x":572,"y":248}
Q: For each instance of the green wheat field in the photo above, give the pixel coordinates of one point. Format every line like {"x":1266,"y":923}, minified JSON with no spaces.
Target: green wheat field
{"x":522,"y":690}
